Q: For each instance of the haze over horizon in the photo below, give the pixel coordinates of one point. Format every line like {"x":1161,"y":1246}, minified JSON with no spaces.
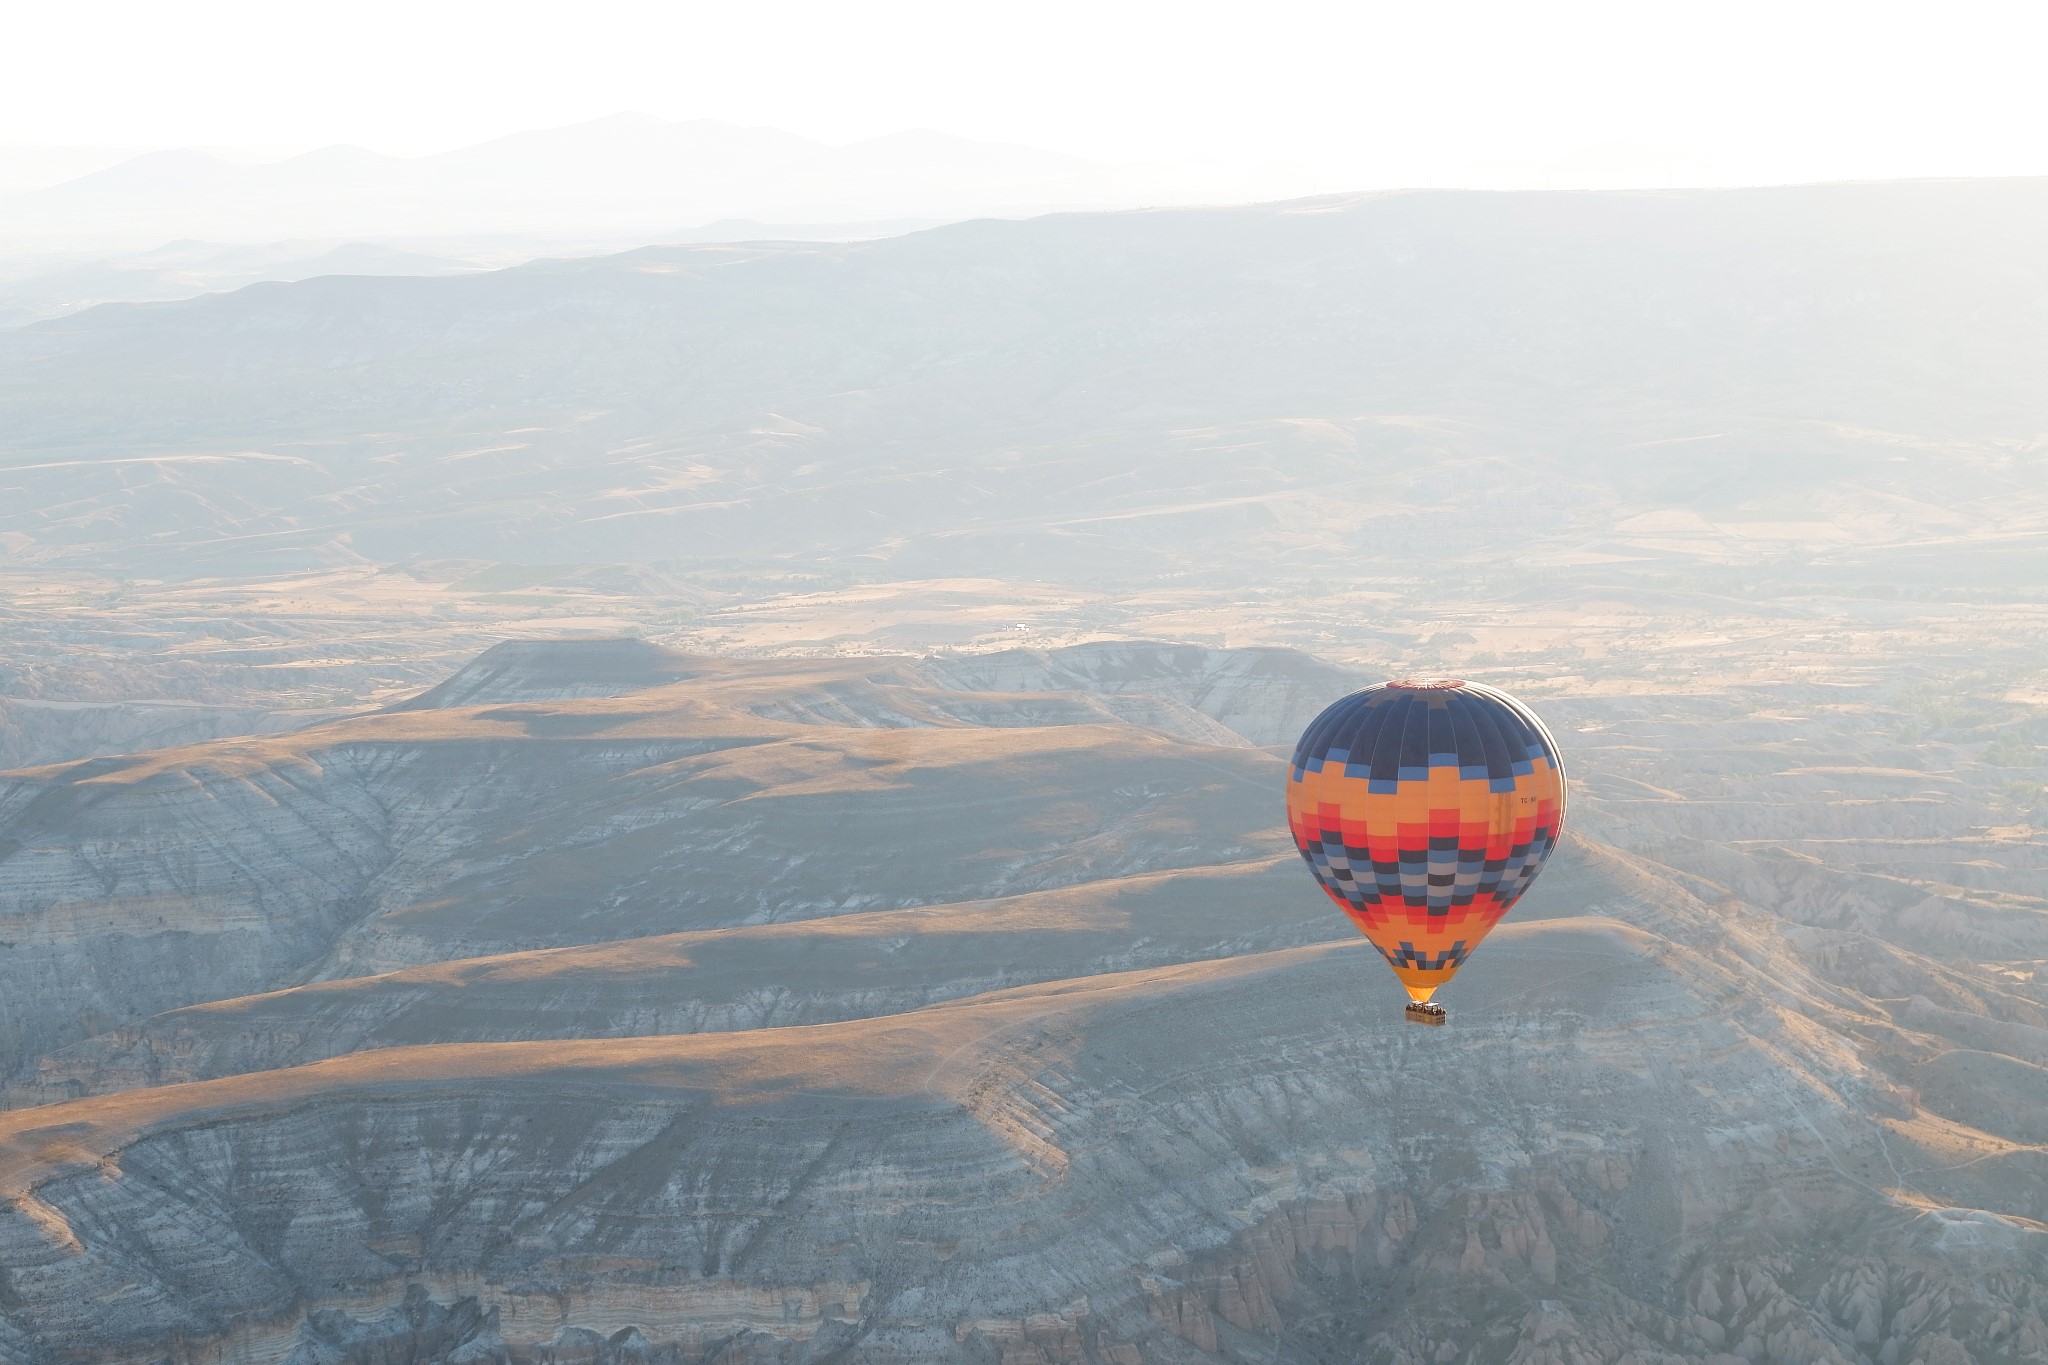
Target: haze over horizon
{"x":1308,"y":98}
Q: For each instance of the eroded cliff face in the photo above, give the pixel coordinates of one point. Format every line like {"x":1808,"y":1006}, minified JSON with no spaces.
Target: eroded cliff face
{"x":1043,"y":1174}
{"x":38,"y":730}
{"x":782,"y":791}
{"x":624,"y":1006}
{"x":849,"y":966}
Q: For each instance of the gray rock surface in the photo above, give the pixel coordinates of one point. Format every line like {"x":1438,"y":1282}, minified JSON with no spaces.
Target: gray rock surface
{"x":35,"y":731}
{"x":137,"y":884}
{"x":1154,"y":1104}
{"x":902,"y":1186}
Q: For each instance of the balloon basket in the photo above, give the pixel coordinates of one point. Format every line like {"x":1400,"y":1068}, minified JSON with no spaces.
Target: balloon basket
{"x":1422,"y":1012}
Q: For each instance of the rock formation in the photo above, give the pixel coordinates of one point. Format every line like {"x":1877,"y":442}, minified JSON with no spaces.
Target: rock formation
{"x":510,"y":1025}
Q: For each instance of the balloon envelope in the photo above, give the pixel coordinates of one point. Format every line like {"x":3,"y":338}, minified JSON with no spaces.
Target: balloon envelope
{"x":1426,"y":809}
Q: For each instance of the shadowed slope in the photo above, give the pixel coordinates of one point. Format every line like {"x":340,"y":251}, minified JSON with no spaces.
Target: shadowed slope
{"x":566,"y":1178}
{"x":743,"y":793}
{"x":811,"y":971}
{"x":557,"y":670}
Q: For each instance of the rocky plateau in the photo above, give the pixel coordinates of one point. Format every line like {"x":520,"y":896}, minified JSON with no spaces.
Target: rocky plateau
{"x":721,"y":804}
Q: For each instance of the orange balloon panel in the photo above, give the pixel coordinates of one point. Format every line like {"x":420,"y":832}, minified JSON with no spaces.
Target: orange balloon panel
{"x":1425,"y":810}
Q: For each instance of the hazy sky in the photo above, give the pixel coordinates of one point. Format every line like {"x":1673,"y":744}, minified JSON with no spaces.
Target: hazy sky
{"x":1419,"y":92}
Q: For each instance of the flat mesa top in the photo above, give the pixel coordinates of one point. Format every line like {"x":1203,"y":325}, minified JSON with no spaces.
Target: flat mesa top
{"x":1427,"y":684}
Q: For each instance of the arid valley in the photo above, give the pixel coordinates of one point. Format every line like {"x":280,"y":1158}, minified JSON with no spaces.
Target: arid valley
{"x":722,"y":803}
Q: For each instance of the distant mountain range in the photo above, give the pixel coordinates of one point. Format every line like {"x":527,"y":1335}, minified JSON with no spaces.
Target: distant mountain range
{"x":52,"y":284}
{"x":186,"y":269}
{"x":1106,"y":393}
{"x":628,"y":172}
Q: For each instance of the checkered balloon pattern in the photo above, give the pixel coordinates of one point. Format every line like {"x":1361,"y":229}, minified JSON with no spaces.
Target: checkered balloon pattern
{"x":1425,"y":810}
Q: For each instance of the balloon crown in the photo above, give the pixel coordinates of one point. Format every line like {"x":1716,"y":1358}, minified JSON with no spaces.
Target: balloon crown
{"x":1427,"y":684}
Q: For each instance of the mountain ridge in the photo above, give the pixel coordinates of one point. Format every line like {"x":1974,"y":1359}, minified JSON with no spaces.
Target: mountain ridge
{"x":1094,"y":392}
{"x":622,"y":173}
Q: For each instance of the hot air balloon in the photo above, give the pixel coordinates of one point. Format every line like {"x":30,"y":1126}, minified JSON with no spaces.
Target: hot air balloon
{"x":1425,"y":810}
